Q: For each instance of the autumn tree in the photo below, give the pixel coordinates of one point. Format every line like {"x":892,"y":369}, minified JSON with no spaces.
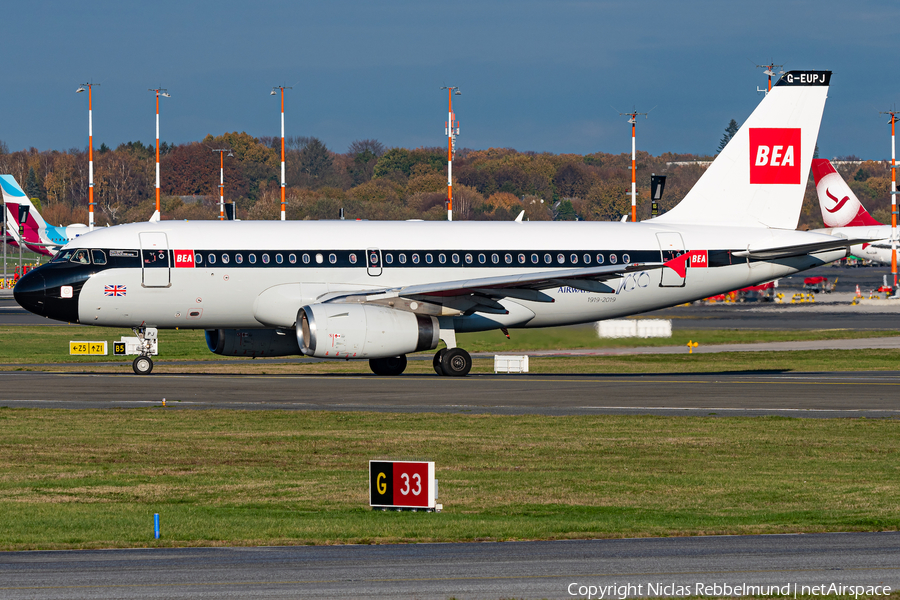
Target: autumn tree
{"x":729,"y":133}
{"x":365,"y":153}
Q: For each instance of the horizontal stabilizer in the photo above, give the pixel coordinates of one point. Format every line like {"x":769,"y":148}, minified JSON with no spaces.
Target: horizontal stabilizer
{"x":799,"y":249}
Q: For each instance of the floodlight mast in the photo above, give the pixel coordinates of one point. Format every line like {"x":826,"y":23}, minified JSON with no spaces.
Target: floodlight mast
{"x":893,"y":123}
{"x":166,"y":94}
{"x":451,"y":129}
{"x":770,"y":71}
{"x":222,"y":152}
{"x":80,"y":89}
{"x":632,"y":119}
{"x":282,"y":88}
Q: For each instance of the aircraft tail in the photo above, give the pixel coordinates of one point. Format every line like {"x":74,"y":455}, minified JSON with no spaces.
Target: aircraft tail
{"x":760,"y":177}
{"x":14,"y":194}
{"x":840,"y":206}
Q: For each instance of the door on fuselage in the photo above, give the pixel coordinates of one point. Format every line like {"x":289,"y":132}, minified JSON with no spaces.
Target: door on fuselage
{"x":670,"y":246}
{"x":155,"y":259}
{"x":373,"y":261}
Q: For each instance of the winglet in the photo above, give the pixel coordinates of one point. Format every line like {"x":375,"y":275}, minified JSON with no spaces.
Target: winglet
{"x":519,"y":218}
{"x":839,"y":205}
{"x":155,"y":217}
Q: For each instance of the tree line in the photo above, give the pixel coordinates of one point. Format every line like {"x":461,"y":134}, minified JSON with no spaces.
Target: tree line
{"x":368,"y":180}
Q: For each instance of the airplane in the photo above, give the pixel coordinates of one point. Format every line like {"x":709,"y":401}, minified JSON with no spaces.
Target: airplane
{"x":379,"y":290}
{"x":37,"y":235}
{"x":844,"y":215}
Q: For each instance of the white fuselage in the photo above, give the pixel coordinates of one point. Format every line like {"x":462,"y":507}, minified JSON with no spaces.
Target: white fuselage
{"x":206,"y":295}
{"x":878,"y":250}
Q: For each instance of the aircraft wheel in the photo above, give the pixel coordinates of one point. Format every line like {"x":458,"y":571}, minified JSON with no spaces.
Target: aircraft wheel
{"x":456,"y":362}
{"x":437,"y":361}
{"x":392,"y":365}
{"x":142,"y":365}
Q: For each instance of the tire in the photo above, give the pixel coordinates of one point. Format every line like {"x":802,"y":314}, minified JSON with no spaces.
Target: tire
{"x":437,"y":361}
{"x":392,"y":365}
{"x":142,"y":365}
{"x":456,"y":363}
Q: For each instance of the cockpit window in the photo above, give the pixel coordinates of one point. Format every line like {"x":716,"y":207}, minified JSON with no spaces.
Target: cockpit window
{"x":99,"y":257}
{"x":81,"y":257}
{"x":63,"y":256}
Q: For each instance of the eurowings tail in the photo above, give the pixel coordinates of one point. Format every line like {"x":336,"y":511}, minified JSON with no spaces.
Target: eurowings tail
{"x":14,"y":194}
{"x":840,"y":206}
{"x":759,"y":178}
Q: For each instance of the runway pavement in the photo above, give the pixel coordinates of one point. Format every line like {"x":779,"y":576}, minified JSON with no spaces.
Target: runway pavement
{"x":564,"y":569}
{"x":816,"y":395}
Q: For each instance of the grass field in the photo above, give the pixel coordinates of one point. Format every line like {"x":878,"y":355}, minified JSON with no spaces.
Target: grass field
{"x":85,"y":479}
{"x":94,"y":478}
{"x":49,"y":344}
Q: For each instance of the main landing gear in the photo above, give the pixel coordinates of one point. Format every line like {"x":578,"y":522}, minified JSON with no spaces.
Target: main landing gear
{"x":392,"y":365}
{"x":452,"y":362}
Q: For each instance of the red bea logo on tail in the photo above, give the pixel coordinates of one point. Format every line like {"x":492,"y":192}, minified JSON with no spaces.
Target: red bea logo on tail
{"x":775,"y":155}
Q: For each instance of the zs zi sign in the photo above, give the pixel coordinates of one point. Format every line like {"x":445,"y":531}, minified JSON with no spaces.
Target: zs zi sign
{"x":401,"y":484}
{"x":775,"y":155}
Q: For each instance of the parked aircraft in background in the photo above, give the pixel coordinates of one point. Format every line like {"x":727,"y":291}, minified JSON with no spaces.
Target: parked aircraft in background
{"x":380,"y":290}
{"x":37,"y":235}
{"x":843,"y":214}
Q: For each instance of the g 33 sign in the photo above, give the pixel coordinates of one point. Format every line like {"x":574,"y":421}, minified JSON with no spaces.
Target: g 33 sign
{"x":401,"y":484}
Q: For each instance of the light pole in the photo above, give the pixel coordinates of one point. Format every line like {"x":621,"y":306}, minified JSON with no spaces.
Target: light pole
{"x":222,"y":152}
{"x":282,"y":88}
{"x":893,"y":122}
{"x":770,"y":71}
{"x":632,"y":118}
{"x":80,"y":89}
{"x":165,"y":93}
{"x":451,"y":130}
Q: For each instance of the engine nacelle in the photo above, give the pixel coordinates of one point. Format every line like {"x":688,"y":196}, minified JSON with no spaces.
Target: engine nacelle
{"x":363,"y":331}
{"x":252,"y":342}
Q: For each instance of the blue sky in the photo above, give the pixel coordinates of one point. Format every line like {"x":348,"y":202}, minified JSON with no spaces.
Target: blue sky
{"x":540,"y":76}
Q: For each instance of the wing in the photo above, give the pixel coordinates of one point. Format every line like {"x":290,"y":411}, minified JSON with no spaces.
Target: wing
{"x":483,"y":292}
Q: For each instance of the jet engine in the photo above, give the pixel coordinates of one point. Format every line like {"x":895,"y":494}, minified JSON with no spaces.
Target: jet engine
{"x":363,"y":331}
{"x":252,"y":342}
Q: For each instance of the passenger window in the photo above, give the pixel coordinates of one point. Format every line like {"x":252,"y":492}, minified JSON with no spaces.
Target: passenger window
{"x":402,"y":258}
{"x":99,"y":257}
{"x":429,"y":259}
{"x":252,"y":259}
{"x":279,"y":259}
{"x":238,"y":258}
{"x":292,"y":258}
{"x":225,"y":259}
{"x":211,"y":258}
{"x":442,"y":258}
{"x":332,"y":258}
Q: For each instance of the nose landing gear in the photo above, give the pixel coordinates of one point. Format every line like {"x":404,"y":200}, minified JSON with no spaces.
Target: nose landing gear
{"x":146,"y":336}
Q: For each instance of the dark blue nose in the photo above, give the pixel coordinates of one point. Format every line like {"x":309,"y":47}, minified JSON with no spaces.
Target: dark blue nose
{"x":41,"y":292}
{"x":31,"y":292}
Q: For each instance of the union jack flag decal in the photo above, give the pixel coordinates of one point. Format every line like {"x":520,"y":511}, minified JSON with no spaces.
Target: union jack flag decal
{"x":114,"y":290}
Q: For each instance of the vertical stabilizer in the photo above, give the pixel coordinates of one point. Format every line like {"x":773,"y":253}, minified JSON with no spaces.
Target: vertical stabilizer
{"x":14,"y":194}
{"x":760,"y":177}
{"x":840,"y":206}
